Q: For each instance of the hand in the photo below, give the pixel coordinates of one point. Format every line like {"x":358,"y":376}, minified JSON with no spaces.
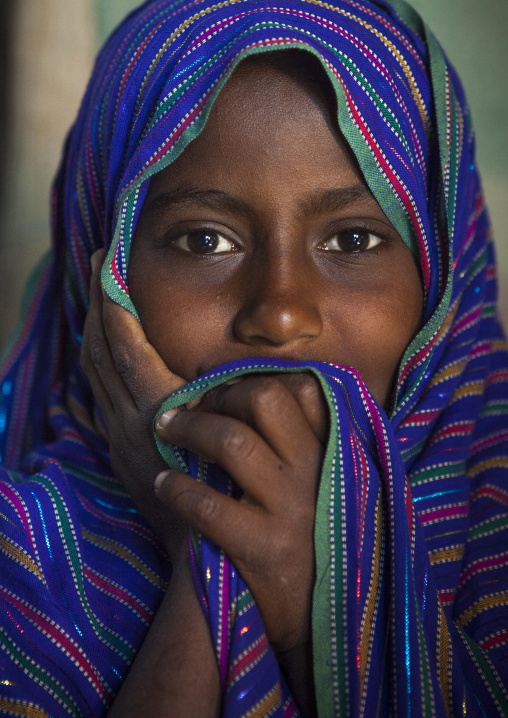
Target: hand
{"x":130,"y":381}
{"x":268,"y":433}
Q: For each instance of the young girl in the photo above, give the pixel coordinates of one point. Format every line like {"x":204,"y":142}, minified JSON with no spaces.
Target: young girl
{"x":282,"y":485}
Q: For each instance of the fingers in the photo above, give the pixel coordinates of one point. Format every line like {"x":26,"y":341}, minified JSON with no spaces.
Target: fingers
{"x":309,"y":396}
{"x":125,"y":371}
{"x":258,"y":434}
{"x":270,"y":406}
{"x":287,"y":411}
{"x":142,"y":370}
{"x":233,"y":445}
{"x":231,"y":525}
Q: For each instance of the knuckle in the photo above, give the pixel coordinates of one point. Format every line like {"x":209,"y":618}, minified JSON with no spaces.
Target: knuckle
{"x":205,"y":510}
{"x":268,"y":396}
{"x":96,"y":353}
{"x":306,"y":388}
{"x":236,"y":441}
{"x":122,"y":358}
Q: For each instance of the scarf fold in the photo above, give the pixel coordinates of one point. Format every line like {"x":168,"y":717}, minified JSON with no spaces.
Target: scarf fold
{"x":410,"y":605}
{"x":381,"y":637}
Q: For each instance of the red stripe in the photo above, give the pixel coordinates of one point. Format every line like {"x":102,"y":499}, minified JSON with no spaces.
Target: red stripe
{"x":120,"y":594}
{"x":61,"y":640}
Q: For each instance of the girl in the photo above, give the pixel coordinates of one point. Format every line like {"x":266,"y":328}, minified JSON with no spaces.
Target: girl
{"x":293,"y":248}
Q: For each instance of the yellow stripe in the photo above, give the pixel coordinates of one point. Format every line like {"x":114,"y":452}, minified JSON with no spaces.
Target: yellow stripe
{"x":119,"y":550}
{"x":498,"y":599}
{"x":443,"y":661}
{"x":499,"y":345}
{"x":449,"y":372}
{"x":498,"y":462}
{"x":20,"y":556}
{"x":390,"y":46}
{"x":16,"y":708}
{"x":266,"y":704}
{"x":474,"y":388}
{"x":179,"y":31}
{"x":447,"y":554}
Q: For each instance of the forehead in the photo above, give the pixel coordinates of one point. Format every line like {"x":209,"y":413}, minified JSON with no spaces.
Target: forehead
{"x":271,"y":112}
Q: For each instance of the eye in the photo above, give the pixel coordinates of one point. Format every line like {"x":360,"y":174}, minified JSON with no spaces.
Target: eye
{"x":351,"y":240}
{"x":204,"y":241}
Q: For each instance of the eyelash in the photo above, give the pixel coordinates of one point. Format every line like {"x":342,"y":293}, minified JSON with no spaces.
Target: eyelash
{"x":215,"y":239}
{"x":204,"y":234}
{"x":358,"y":235}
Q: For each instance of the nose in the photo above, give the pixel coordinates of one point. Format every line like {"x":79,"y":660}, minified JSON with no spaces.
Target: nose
{"x":277,"y":312}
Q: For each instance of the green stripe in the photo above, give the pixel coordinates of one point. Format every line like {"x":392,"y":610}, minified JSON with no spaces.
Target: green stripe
{"x":488,"y":673}
{"x":489,"y":527}
{"x":441,"y":471}
{"x":322,"y":610}
{"x":494,"y":408}
{"x":38,"y":674}
{"x":71,"y":550}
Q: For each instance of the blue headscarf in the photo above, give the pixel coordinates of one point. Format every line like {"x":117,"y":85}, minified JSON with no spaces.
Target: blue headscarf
{"x":410,"y":605}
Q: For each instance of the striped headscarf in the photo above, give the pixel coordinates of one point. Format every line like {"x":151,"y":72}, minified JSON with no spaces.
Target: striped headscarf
{"x":410,"y":606}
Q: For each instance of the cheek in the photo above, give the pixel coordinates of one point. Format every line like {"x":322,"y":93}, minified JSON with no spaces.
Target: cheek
{"x":375,"y":326}
{"x":185,"y":327}
{"x":394,"y":328}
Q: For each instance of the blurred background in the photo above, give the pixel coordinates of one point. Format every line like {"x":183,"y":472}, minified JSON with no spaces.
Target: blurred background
{"x":47,"y":48}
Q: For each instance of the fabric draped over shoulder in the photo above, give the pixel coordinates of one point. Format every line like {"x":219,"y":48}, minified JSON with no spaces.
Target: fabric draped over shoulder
{"x":410,"y":605}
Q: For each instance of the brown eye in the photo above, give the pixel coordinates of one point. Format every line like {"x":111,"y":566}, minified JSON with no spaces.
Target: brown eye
{"x":352,"y":240}
{"x":204,"y":242}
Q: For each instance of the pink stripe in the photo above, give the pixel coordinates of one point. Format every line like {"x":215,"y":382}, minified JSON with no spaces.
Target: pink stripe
{"x":446,"y":597}
{"x":115,"y":271}
{"x":468,"y":319}
{"x":446,"y":513}
{"x":486,"y":563}
{"x":422,"y":417}
{"x":290,"y":710}
{"x":479,"y":349}
{"x":14,"y":499}
{"x":58,"y":637}
{"x":464,"y":427}
{"x":494,"y":641}
{"x":489,"y":441}
{"x":497,"y":376}
{"x":120,"y":594}
{"x":113,"y":521}
{"x":253,"y":654}
{"x":224,"y":621}
{"x":394,"y":181}
{"x":491,"y":492}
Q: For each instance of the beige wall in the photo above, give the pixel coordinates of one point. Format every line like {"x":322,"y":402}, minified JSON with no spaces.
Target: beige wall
{"x":53,"y":50}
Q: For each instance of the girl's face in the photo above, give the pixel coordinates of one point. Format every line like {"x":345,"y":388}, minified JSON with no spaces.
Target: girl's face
{"x":263,"y":239}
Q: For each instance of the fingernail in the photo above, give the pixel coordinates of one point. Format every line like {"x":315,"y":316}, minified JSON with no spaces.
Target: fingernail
{"x":234,"y":380}
{"x":164,"y":419}
{"x":159,"y":480}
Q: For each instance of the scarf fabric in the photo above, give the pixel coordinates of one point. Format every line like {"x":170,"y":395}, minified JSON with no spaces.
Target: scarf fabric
{"x":410,"y":605}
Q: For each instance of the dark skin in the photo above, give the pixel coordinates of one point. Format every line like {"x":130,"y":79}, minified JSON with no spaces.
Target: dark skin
{"x":232,"y":260}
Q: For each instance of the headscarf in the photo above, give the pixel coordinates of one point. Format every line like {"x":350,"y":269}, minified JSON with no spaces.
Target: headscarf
{"x":410,"y":604}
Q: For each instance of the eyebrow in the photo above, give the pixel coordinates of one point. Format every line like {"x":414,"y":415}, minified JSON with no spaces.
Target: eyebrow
{"x":322,"y":202}
{"x":210,"y":198}
{"x":332,"y":200}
